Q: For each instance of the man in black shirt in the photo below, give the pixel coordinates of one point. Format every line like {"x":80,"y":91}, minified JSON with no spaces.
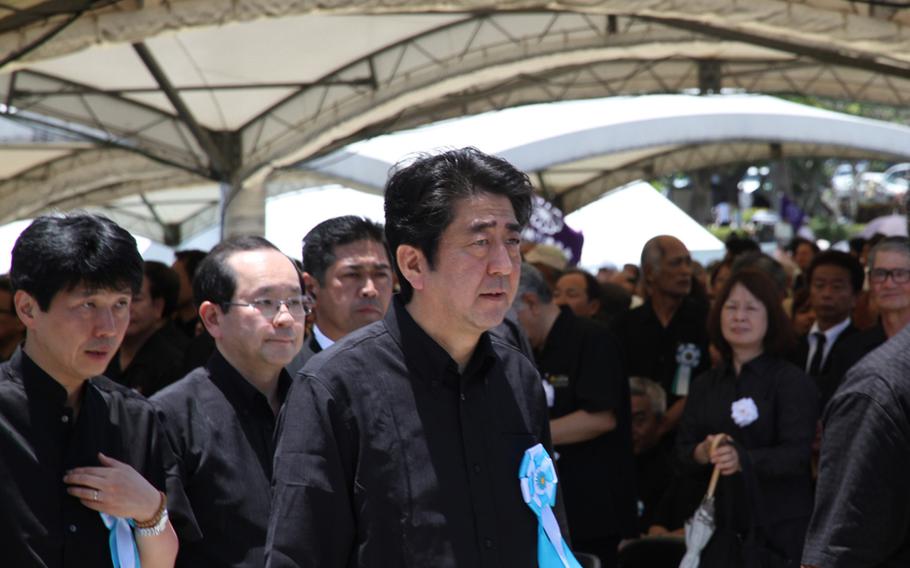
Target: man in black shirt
{"x":403,"y":443}
{"x":862,"y":498}
{"x":588,"y":397}
{"x":347,"y":272}
{"x":12,"y":332}
{"x":666,"y":338}
{"x":74,"y":444}
{"x":150,"y":358}
{"x":220,"y":419}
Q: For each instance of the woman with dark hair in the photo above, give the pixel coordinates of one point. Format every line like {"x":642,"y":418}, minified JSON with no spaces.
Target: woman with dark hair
{"x":763,"y":410}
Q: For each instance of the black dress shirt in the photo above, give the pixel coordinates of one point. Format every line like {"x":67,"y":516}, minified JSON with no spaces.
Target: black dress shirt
{"x":388,"y":456}
{"x":862,"y":501}
{"x":221,"y":431}
{"x":41,"y":439}
{"x":651,"y":350}
{"x":582,"y":363}
{"x":156,"y":365}
{"x":776,"y":447}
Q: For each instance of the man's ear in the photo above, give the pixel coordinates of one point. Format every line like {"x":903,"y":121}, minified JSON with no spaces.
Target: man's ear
{"x":158,"y":306}
{"x":413,"y":265}
{"x":26,"y":307}
{"x":311,"y":285}
{"x":211,"y":315}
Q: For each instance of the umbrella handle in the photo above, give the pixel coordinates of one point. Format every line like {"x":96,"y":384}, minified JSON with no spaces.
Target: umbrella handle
{"x":715,"y":475}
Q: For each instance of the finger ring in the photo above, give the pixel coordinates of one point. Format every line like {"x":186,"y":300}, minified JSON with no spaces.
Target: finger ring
{"x":95,"y":496}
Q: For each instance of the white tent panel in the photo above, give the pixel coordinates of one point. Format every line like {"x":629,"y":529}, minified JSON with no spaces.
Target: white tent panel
{"x":289,"y":217}
{"x":617,"y":226}
{"x":17,"y":160}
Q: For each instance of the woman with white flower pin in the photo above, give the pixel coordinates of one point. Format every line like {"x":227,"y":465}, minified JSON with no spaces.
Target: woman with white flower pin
{"x":764,"y":411}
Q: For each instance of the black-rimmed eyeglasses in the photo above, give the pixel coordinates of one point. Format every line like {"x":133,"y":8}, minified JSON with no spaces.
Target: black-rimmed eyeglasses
{"x":898,"y":275}
{"x":298,"y":306}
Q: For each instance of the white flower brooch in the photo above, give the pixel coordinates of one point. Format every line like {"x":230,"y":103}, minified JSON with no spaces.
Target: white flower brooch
{"x":744,"y":412}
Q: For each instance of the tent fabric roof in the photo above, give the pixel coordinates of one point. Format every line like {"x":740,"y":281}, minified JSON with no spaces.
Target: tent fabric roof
{"x":183,"y":84}
{"x":577,"y":150}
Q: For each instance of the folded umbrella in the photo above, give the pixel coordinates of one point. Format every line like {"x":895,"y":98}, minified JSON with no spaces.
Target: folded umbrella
{"x":701,"y":526}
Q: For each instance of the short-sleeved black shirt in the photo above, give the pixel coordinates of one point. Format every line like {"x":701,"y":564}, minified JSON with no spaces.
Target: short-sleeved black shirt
{"x":41,"y":439}
{"x":653,"y":351}
{"x":388,"y":456}
{"x":221,"y":430}
{"x":862,"y":501}
{"x":582,"y":363}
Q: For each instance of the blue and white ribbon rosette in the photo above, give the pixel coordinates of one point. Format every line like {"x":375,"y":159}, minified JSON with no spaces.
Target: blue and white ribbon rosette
{"x":537,"y":477}
{"x":688,"y":356}
{"x":124,"y":553}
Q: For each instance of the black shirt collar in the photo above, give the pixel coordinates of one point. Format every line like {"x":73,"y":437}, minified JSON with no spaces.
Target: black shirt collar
{"x":757,"y":366}
{"x":239,"y":392}
{"x":559,"y":333}
{"x":37,"y":382}
{"x":427,"y":357}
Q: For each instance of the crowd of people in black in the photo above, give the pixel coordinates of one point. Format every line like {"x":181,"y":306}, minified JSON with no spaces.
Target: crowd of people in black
{"x":239,"y":409}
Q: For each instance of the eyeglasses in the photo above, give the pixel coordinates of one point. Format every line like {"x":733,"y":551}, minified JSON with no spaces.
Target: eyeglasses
{"x":298,"y":306}
{"x":898,"y":275}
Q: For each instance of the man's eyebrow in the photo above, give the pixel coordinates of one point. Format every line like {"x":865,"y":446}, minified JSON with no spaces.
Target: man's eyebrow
{"x":477,"y":226}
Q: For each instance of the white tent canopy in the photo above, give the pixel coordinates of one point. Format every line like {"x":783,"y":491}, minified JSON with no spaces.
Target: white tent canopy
{"x":617,"y":226}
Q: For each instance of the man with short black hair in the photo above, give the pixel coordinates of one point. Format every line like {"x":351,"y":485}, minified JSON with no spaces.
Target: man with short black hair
{"x":12,"y":332}
{"x":348,"y":274}
{"x":588,"y":395}
{"x":835,"y":279}
{"x":83,"y":458}
{"x":403,"y":444}
{"x":185,"y":265}
{"x":220,"y":419}
{"x":149,"y":359}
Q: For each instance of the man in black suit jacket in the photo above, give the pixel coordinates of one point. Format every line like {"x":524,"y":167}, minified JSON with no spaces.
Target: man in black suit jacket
{"x":835,"y":278}
{"x":348,"y":274}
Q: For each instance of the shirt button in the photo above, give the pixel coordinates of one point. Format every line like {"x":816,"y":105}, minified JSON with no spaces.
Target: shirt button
{"x":488,"y":543}
{"x":65,"y":419}
{"x":476,"y":468}
{"x":72,"y":528}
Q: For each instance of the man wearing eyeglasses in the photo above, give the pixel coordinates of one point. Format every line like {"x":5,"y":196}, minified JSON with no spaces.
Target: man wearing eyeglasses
{"x":220,"y":418}
{"x":889,"y":287}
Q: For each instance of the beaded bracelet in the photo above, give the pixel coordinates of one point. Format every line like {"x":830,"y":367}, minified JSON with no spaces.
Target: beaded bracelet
{"x":156,"y":524}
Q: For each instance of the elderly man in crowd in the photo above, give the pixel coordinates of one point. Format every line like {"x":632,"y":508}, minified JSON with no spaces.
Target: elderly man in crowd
{"x":889,"y":286}
{"x":83,"y":459}
{"x":588,"y":396}
{"x":347,"y":272}
{"x":665,"y":339}
{"x":402,"y":445}
{"x":220,"y":419}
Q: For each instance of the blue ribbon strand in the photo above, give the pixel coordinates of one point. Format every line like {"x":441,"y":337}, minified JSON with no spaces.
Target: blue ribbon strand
{"x":124,"y":553}
{"x":537,"y":478}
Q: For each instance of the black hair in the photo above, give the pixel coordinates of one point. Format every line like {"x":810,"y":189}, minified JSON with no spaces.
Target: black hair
{"x":163,"y":283}
{"x":737,"y":245}
{"x":420,"y":198}
{"x":768,"y":265}
{"x":215,"y":281}
{"x":794,"y":244}
{"x":190,"y":259}
{"x":60,"y":252}
{"x":842,"y":259}
{"x":319,"y":244}
{"x":592,"y":286}
{"x":5,"y":283}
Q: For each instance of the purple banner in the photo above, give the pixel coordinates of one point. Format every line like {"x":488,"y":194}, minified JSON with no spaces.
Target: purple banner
{"x":547,"y":227}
